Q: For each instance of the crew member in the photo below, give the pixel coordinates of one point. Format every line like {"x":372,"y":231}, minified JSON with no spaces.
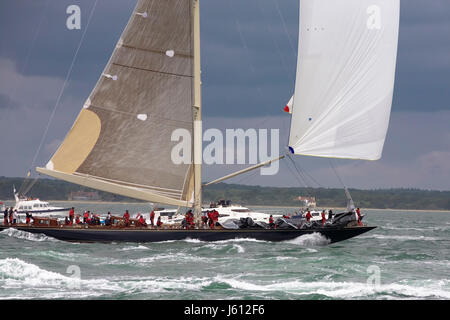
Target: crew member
{"x":10,"y":215}
{"x":5,"y":217}
{"x":27,"y":218}
{"x":215,"y":217}
{"x":308,"y":216}
{"x":15,"y":217}
{"x":271,"y":224}
{"x":85,"y":217}
{"x":152,"y":218}
{"x":71,"y":215}
{"x":330,"y":214}
{"x":323,"y":218}
{"x":126,"y":216}
{"x":204,"y":221}
{"x":158,"y":222}
{"x":189,"y":220}
{"x":142,"y":221}
{"x":210,"y":219}
{"x":108,"y":219}
{"x":358,"y":212}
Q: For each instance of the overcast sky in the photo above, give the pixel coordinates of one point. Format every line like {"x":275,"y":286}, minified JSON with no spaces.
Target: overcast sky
{"x":248,"y":73}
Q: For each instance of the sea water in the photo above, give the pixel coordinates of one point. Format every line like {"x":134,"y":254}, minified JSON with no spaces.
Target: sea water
{"x":406,"y":257}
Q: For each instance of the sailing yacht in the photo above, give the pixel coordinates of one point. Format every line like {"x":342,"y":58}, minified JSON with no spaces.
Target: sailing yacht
{"x":122,"y":140}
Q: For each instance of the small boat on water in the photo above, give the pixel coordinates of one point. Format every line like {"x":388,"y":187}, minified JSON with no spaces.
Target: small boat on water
{"x":226,"y":210}
{"x":37,"y":207}
{"x":145,"y":111}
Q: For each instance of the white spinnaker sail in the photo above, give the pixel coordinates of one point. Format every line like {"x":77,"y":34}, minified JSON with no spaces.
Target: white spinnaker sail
{"x":345,"y":77}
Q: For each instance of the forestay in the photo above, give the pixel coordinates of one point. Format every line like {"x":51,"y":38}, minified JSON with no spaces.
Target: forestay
{"x":121,"y":140}
{"x":345,"y":77}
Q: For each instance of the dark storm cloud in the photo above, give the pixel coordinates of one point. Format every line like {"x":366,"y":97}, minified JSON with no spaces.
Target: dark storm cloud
{"x":248,"y":50}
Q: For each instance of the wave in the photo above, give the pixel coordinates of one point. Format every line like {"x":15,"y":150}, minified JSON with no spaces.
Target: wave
{"x":349,"y":290}
{"x":400,"y":237}
{"x":313,"y":239}
{"x":26,"y":280}
{"x":15,"y":271}
{"x":430,"y":228}
{"x":19,"y":234}
{"x":130,"y":248}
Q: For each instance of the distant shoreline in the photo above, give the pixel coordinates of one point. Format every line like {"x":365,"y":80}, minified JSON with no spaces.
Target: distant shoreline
{"x":247,"y":205}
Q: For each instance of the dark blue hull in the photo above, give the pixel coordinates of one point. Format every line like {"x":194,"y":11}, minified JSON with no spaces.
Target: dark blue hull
{"x":154,"y":235}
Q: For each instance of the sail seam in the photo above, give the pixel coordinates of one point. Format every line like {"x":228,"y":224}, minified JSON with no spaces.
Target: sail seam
{"x":155,"y":51}
{"x":135,"y":114}
{"x":127,"y":183}
{"x":150,"y":70}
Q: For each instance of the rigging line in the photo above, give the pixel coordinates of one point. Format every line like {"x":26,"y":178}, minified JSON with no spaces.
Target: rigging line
{"x":298,"y":176}
{"x":299,"y":171}
{"x":31,"y":184}
{"x":305,"y":172}
{"x":247,"y":50}
{"x":285,"y":27}
{"x":24,"y":67}
{"x":244,"y":44}
{"x":336,"y":173}
{"x":64,"y":85}
{"x":274,"y":40}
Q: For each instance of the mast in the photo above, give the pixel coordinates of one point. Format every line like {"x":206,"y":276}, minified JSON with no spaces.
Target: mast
{"x":197,"y":114}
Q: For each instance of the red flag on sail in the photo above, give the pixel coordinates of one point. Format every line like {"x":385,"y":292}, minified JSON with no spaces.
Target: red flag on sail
{"x":288,"y":107}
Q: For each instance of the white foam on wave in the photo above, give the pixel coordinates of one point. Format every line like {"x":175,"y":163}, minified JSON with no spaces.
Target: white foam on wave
{"x":19,"y":234}
{"x":239,"y":248}
{"x":240,"y":240}
{"x":405,"y":228}
{"x":347,"y":290}
{"x":34,"y":282}
{"x":164,"y":284}
{"x":15,"y":271}
{"x":400,"y":237}
{"x":313,"y":239}
{"x":131,"y":248}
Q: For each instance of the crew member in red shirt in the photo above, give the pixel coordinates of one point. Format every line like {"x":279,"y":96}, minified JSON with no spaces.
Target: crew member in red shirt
{"x":359,"y":216}
{"x":28,"y":218}
{"x":126,"y":215}
{"x":210,"y":219}
{"x":71,"y":215}
{"x":158,"y":222}
{"x":152,"y":218}
{"x":271,"y":224}
{"x":215,"y":216}
{"x":85,"y":217}
{"x":323,"y":218}
{"x":308,"y":216}
{"x":189,"y":219}
{"x":142,"y":221}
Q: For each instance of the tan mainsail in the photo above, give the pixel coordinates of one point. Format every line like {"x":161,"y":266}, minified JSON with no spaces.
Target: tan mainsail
{"x":121,"y":141}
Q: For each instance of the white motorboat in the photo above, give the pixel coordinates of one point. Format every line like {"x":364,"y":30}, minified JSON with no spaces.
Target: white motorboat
{"x":36,"y":207}
{"x":226,"y":211}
